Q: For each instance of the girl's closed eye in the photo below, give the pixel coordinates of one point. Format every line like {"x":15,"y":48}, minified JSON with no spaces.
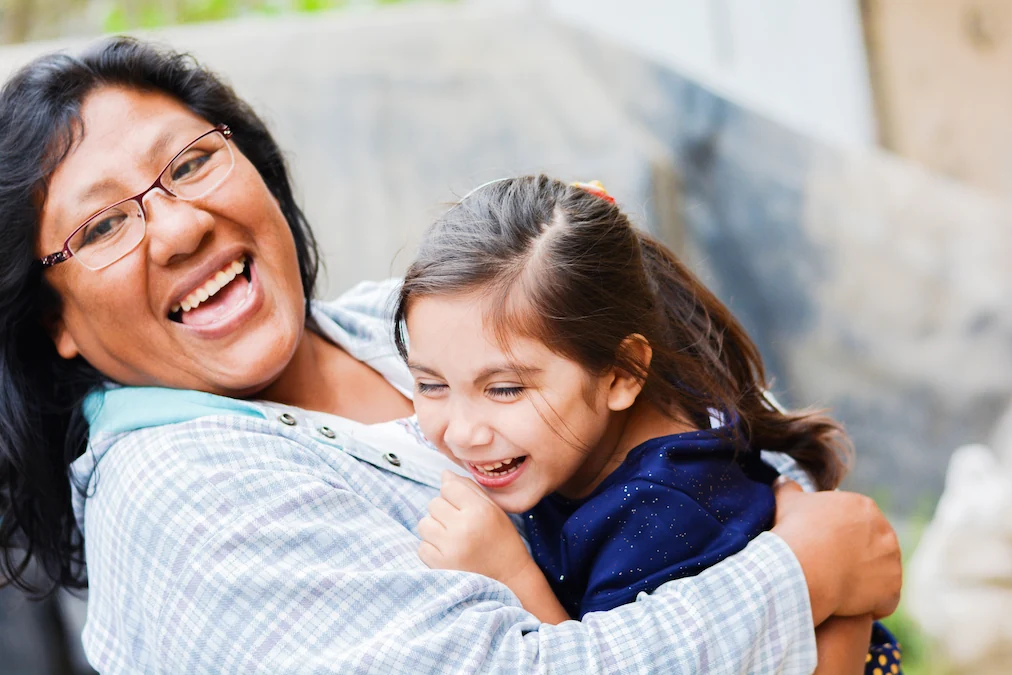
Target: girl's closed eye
{"x":430,"y":388}
{"x":505,"y":393}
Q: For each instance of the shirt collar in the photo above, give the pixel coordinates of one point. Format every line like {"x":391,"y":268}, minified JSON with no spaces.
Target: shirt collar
{"x":116,"y":409}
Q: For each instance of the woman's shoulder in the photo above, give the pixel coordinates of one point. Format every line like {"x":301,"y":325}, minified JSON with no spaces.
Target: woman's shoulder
{"x":367,"y":303}
{"x":217,"y":462}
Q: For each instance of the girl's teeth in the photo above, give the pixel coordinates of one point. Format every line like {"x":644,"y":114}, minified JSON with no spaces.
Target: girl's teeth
{"x":494,"y":469}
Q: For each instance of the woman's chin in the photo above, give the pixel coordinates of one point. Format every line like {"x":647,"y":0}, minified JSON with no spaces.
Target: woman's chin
{"x":246,"y":373}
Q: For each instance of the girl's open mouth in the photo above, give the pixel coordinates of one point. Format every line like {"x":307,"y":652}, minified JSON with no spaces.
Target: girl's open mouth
{"x":498,"y":474}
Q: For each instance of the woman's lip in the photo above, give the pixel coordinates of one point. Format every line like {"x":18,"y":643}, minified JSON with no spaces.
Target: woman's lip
{"x":253,"y":302}
{"x":496,"y":482}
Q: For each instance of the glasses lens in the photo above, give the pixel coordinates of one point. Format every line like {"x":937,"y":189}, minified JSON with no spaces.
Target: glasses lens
{"x":200,"y":168}
{"x":108,"y":236}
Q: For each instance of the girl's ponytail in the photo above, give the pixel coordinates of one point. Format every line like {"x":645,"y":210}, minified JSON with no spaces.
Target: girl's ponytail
{"x":815,"y":441}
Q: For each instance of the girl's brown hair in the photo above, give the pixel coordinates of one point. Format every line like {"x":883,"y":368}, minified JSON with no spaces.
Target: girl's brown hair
{"x":566,"y":267}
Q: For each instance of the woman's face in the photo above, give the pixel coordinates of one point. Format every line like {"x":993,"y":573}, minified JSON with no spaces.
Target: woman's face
{"x":121,"y":318}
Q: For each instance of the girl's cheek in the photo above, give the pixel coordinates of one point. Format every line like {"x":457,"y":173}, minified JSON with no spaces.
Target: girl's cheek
{"x":432,"y":425}
{"x":450,"y":455}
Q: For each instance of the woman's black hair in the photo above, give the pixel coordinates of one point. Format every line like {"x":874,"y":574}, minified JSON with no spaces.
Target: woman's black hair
{"x":42,"y":428}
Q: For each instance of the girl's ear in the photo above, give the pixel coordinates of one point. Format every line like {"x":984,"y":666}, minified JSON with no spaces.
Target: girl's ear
{"x":626,"y":386}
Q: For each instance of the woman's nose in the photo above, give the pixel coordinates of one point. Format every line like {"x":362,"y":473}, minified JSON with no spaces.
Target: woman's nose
{"x":175,"y":228}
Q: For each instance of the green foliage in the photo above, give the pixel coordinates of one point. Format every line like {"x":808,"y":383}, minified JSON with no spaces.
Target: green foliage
{"x":116,"y":21}
{"x":126,"y":15}
{"x":920,"y":657}
{"x":311,"y":6}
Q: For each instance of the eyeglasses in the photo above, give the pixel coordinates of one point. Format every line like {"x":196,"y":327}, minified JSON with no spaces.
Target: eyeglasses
{"x":113,"y":232}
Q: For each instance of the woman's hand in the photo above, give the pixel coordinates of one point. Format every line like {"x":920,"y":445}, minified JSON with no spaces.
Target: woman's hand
{"x":847,"y":550}
{"x":465,"y":530}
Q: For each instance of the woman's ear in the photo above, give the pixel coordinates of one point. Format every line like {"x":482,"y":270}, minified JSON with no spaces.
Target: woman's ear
{"x":625,"y":386}
{"x":66,"y":346}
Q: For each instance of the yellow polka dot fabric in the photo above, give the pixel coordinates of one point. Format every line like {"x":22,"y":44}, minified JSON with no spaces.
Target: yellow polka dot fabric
{"x":884,"y":655}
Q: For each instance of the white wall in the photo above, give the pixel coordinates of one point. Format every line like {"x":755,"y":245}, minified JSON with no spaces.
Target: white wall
{"x":798,"y":61}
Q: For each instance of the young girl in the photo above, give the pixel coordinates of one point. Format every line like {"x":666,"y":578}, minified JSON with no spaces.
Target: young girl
{"x":588,"y":381}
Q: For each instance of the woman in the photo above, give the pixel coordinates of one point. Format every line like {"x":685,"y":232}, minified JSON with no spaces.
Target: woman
{"x":241,"y":480}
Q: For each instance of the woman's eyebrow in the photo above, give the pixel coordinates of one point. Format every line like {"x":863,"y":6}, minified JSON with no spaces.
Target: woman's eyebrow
{"x":157,"y":149}
{"x":95,"y":189}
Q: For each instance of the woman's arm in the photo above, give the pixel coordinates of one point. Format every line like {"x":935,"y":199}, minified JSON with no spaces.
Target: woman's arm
{"x":247,"y":562}
{"x":848,"y":551}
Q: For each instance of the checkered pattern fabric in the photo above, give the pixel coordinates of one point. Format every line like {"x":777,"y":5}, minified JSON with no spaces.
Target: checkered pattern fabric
{"x":243,"y":543}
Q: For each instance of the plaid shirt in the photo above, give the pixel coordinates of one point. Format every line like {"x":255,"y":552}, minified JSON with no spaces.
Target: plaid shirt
{"x":228,"y":536}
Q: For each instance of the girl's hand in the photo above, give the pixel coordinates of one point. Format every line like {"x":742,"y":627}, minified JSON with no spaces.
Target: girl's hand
{"x":465,"y":530}
{"x":847,"y":550}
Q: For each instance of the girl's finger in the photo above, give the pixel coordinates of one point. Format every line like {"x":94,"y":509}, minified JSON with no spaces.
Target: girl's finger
{"x":443,"y":511}
{"x":459,"y":491}
{"x":431,"y":530}
{"x":469,"y":484}
{"x":430,"y":555}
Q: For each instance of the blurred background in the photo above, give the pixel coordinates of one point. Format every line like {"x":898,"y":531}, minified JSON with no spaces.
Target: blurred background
{"x":837,"y":171}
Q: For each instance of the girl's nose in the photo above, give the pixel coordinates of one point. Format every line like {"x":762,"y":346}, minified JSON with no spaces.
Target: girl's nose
{"x":175,"y":228}
{"x":466,"y":431}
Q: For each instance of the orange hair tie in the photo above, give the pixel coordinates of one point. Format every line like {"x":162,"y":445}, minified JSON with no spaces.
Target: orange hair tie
{"x":595,"y":188}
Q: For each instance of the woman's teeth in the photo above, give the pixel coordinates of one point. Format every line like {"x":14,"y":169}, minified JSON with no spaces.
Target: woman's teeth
{"x":497,"y":468}
{"x":217,"y":282}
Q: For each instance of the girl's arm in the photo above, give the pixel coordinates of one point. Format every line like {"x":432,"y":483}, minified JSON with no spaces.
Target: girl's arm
{"x":467,"y":531}
{"x":842,"y":643}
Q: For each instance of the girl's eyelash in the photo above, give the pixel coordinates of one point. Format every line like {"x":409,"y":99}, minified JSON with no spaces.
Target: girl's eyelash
{"x":425,"y":388}
{"x":505,"y":392}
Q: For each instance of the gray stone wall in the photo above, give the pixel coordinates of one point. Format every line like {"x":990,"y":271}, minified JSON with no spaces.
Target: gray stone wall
{"x":872,"y":286}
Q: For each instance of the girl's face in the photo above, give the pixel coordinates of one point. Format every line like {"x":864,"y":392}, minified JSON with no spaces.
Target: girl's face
{"x":525,"y":424}
{"x":121,"y":318}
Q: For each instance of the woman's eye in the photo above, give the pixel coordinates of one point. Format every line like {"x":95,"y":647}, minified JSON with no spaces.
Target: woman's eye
{"x":95,"y":232}
{"x":427,"y":388}
{"x":505,"y":393}
{"x":189,"y":168}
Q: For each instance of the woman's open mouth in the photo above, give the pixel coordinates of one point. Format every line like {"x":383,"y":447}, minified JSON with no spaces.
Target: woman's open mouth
{"x":498,"y":474}
{"x":222,"y":300}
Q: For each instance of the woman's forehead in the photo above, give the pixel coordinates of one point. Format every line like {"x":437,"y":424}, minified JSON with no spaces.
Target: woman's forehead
{"x":124,"y":135}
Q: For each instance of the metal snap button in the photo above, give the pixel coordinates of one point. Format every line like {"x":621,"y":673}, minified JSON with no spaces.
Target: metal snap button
{"x":327,"y":431}
{"x":392,"y":458}
{"x":287,"y":419}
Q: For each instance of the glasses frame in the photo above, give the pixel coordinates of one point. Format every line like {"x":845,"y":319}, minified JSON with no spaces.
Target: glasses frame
{"x":66,"y":254}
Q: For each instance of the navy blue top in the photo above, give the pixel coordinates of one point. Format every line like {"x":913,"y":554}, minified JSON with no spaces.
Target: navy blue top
{"x":677,"y":505}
